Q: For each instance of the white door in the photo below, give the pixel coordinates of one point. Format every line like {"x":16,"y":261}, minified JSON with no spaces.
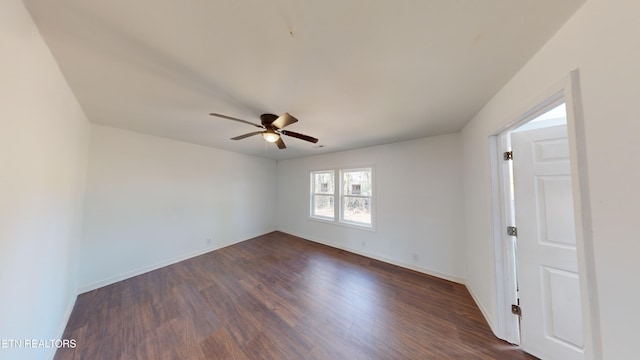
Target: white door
{"x":548,"y":280}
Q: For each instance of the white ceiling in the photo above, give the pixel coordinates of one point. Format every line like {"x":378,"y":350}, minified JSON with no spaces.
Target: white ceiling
{"x":354,"y":72}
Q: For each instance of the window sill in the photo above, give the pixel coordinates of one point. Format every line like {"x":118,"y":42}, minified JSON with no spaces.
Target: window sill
{"x":343,"y":224}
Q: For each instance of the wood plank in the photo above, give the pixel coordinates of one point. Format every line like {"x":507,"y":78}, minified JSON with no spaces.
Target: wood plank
{"x":278,"y":296}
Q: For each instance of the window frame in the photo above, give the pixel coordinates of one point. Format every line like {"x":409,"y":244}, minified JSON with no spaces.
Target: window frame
{"x":343,"y":196}
{"x":315,"y":193}
{"x":339,"y":196}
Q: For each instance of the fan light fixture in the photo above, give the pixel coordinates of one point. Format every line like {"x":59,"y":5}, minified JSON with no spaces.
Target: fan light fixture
{"x":270,"y":136}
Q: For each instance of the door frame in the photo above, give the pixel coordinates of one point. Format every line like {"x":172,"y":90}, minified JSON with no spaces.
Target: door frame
{"x":508,"y":328}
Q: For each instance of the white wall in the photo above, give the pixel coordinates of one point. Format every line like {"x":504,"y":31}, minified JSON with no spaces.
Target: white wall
{"x":418,"y":201}
{"x":153,"y":201}
{"x":43,"y":148}
{"x":602,"y":40}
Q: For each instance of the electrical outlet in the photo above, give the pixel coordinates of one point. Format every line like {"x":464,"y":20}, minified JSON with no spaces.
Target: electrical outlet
{"x":363,"y":243}
{"x":209,"y":241}
{"x":415,"y":257}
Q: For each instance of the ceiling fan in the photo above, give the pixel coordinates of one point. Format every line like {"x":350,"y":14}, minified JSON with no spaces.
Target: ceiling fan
{"x":272,"y":126}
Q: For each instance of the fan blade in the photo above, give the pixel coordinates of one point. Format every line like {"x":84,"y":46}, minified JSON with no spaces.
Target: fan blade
{"x":299,"y":136}
{"x":236,"y":119}
{"x":246,"y":135}
{"x":281,"y":144}
{"x":284,"y":120}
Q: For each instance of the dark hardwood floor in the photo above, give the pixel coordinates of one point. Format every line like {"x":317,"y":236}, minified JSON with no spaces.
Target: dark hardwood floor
{"x":281,"y":297}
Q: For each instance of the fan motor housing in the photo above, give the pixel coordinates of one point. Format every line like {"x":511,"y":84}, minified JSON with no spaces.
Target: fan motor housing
{"x":267,"y":119}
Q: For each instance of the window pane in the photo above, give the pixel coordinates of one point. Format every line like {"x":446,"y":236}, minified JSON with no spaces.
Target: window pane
{"x":323,"y":206}
{"x":323,"y":183}
{"x":357,"y":182}
{"x":357,"y":209}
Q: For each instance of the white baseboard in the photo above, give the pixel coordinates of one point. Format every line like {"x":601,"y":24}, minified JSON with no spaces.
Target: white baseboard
{"x":484,"y":312}
{"x":167,"y":262}
{"x":63,"y":326}
{"x":387,"y":260}
{"x":145,"y":269}
{"x":413,"y":267}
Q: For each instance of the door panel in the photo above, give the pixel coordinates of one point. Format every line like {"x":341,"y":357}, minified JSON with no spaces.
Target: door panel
{"x":555,"y":210}
{"x":563,"y":319}
{"x":549,"y":291}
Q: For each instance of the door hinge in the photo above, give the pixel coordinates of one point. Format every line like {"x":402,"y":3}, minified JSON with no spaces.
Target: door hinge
{"x":512,"y":231}
{"x":516,"y":310}
{"x":508,"y":155}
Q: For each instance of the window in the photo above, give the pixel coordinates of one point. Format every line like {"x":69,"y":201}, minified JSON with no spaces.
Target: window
{"x":323,"y":194}
{"x":356,"y":196}
{"x":351,"y":197}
